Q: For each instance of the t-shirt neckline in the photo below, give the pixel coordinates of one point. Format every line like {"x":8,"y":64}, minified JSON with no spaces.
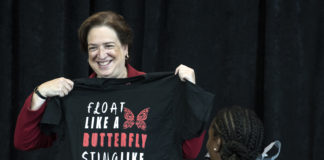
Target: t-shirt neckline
{"x":117,"y":83}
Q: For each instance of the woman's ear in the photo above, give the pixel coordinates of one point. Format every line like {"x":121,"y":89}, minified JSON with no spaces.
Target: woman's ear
{"x":217,"y":144}
{"x":125,"y":50}
{"x":214,"y":147}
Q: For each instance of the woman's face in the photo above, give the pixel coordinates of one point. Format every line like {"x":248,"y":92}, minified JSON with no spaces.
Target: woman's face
{"x":106,"y":54}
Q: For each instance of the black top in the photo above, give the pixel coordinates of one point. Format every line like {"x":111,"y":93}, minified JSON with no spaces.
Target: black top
{"x":140,"y":118}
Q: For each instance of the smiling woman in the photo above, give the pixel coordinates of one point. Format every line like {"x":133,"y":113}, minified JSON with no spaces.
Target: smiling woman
{"x":106,"y":54}
{"x":106,"y":37}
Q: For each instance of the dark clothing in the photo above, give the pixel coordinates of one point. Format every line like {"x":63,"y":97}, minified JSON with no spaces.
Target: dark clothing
{"x":144,"y":117}
{"x":28,"y":135}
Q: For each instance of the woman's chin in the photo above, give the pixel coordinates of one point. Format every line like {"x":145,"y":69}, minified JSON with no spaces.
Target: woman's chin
{"x":106,"y":74}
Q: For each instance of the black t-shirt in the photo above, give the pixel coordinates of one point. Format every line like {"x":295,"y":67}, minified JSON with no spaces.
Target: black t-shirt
{"x":140,"y":118}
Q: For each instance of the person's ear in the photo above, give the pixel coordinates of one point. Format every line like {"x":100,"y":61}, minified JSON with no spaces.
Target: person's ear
{"x":214,"y":148}
{"x":218,"y":144}
{"x":125,"y":49}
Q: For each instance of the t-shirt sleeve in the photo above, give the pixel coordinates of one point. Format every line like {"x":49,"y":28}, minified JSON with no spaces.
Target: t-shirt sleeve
{"x":196,"y":107}
{"x":52,"y":118}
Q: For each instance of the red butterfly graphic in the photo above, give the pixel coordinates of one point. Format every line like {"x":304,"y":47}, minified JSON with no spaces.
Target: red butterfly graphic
{"x":141,"y":117}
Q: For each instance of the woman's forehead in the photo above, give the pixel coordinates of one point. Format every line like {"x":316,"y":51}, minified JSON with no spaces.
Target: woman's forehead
{"x":102,"y":34}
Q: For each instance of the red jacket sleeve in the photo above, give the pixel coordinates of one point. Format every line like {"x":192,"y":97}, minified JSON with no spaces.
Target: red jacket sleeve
{"x":28,"y":135}
{"x":191,"y":147}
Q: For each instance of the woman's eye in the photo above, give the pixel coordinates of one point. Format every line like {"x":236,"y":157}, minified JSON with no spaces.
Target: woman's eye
{"x":109,"y":46}
{"x":92,"y":48}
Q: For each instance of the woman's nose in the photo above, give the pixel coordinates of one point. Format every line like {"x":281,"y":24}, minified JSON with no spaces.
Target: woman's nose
{"x":102,"y":53}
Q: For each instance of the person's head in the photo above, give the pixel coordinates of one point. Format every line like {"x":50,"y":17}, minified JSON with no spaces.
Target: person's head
{"x":236,"y":133}
{"x":106,"y":37}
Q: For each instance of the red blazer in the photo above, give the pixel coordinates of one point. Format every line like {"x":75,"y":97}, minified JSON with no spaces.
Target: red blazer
{"x":28,"y":135}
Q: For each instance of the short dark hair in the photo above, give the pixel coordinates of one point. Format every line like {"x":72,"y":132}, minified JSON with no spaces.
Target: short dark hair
{"x":241,"y":132}
{"x":109,"y":19}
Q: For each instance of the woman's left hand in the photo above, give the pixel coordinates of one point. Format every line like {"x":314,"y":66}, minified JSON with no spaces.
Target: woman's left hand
{"x":186,"y":73}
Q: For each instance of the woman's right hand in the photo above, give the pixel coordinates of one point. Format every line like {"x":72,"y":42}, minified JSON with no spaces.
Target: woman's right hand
{"x":56,"y":87}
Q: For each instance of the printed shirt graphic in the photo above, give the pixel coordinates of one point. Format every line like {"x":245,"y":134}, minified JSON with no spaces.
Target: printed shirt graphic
{"x":129,"y":117}
{"x":140,"y":118}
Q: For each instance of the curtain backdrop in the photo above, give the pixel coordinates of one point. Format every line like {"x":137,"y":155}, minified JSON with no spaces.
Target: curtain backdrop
{"x":266,"y":55}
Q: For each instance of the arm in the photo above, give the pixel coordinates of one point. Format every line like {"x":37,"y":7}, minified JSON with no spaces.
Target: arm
{"x":192,"y":147}
{"x":28,"y":135}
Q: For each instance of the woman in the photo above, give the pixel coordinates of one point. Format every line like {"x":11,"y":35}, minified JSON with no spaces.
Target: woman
{"x":236,"y":133}
{"x":106,"y":37}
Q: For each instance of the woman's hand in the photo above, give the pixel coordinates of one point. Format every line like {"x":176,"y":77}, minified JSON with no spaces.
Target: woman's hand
{"x":56,"y":87}
{"x":186,"y":73}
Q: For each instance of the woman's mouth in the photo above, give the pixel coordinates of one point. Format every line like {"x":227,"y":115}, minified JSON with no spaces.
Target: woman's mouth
{"x":104,"y":64}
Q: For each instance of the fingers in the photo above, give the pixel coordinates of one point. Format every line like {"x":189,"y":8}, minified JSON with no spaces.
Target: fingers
{"x":63,"y":91}
{"x":56,"y":87}
{"x":177,"y":69}
{"x":70,"y":83}
{"x":66,"y":86}
{"x":185,"y":73}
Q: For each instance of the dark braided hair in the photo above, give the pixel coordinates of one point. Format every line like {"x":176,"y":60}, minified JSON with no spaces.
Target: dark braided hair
{"x":241,"y":132}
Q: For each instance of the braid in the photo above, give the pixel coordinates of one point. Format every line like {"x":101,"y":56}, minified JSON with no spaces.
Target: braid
{"x":241,"y":132}
{"x":253,"y":137}
{"x":257,"y":132}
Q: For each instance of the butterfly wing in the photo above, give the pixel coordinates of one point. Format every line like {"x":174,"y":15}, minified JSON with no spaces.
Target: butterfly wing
{"x":141,"y":117}
{"x":129,"y":117}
